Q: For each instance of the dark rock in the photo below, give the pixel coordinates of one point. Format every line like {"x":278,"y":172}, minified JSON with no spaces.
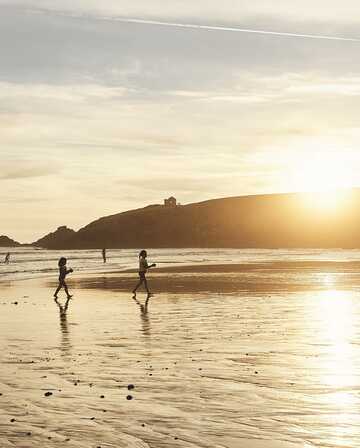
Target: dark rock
{"x":129,"y":397}
{"x":131,"y":387}
{"x":48,"y":394}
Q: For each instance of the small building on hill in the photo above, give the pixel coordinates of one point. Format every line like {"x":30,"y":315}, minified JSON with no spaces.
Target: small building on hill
{"x":171,"y":202}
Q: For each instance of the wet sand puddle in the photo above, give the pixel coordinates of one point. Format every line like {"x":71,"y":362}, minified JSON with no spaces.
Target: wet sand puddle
{"x":203,"y":370}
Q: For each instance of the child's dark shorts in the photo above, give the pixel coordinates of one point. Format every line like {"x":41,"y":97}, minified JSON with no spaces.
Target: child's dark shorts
{"x":142,"y":275}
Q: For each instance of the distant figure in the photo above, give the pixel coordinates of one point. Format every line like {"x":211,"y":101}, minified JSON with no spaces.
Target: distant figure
{"x":63,"y":272}
{"x":143,"y":267}
{"x":7,"y":258}
{"x":104,"y":255}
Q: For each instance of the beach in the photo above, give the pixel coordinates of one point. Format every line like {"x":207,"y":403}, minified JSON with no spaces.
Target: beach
{"x":257,"y":364}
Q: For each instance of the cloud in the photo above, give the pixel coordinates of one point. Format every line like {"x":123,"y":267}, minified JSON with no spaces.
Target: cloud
{"x":70,"y":93}
{"x":17,"y":170}
{"x":229,"y":10}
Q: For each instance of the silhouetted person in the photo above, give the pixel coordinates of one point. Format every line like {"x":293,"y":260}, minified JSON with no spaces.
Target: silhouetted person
{"x":63,"y":272}
{"x":7,"y":258}
{"x":143,"y":268}
{"x":104,"y":255}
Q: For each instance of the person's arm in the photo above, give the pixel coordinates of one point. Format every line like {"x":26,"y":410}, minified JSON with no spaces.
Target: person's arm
{"x":69,"y":271}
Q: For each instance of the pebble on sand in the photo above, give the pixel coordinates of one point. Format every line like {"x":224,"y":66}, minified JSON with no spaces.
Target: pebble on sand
{"x":48,"y":394}
{"x":129,"y":397}
{"x":131,"y":387}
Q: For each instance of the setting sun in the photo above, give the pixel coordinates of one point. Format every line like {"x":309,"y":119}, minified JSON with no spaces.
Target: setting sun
{"x":326,"y":200}
{"x":323,"y":176}
{"x":323,"y":171}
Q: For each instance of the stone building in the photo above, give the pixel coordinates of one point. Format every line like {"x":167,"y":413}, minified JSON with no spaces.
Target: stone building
{"x":171,"y":202}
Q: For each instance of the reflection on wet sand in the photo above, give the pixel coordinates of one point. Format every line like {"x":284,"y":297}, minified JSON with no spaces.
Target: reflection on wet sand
{"x":337,"y":328}
{"x":65,"y":335}
{"x":144,"y":313}
{"x":279,"y":369}
{"x":335,"y":311}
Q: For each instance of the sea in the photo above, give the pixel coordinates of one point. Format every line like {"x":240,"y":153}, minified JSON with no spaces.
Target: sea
{"x":33,"y":262}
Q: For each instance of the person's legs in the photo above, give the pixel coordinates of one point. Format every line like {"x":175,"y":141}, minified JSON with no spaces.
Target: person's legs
{"x":138,"y":285}
{"x":58,"y":289}
{"x":66,"y":290}
{"x":146,"y":285}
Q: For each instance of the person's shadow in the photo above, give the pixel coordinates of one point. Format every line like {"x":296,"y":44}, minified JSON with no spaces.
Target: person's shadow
{"x":65,"y":334}
{"x":144,"y":313}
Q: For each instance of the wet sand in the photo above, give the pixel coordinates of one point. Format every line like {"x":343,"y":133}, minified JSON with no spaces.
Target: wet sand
{"x":275,"y":366}
{"x":230,"y":278}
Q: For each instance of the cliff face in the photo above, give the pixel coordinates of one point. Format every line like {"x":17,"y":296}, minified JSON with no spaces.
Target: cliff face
{"x":5,"y":241}
{"x":269,"y":221}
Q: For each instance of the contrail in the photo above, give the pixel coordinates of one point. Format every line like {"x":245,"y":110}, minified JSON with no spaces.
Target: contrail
{"x":232,"y":29}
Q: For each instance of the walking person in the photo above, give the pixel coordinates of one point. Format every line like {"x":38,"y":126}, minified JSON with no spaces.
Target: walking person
{"x":143,"y":268}
{"x":7,"y":258}
{"x":104,"y":255}
{"x":63,"y":272}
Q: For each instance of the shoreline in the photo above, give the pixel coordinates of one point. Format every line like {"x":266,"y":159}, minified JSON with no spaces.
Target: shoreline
{"x":216,"y":277}
{"x":230,"y":278}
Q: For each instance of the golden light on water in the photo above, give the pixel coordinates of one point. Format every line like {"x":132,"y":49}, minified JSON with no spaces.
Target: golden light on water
{"x":336,"y":330}
{"x":335,"y":312}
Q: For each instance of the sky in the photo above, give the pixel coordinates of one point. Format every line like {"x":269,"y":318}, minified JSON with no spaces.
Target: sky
{"x":99,"y":115}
